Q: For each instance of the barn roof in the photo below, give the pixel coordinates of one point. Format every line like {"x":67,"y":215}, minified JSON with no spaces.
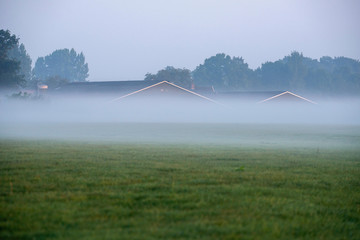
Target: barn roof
{"x":160,"y":90}
{"x":108,"y":87}
{"x":262,"y":96}
{"x":289,"y":96}
{"x":114,"y":89}
{"x":251,"y":96}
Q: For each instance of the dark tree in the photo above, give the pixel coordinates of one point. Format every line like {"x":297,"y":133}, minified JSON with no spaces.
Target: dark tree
{"x":19,"y":54}
{"x":10,"y":76}
{"x":329,"y":76}
{"x":64,"y":63}
{"x":178,"y":76}
{"x":273,"y":76}
{"x":224,"y":73}
{"x":297,"y":70}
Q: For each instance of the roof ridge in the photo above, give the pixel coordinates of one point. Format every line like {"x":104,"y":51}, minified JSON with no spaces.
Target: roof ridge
{"x":140,"y":90}
{"x":169,"y":83}
{"x":287,"y":92}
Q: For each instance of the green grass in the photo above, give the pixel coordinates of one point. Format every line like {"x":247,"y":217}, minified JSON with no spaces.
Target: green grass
{"x":74,"y":190}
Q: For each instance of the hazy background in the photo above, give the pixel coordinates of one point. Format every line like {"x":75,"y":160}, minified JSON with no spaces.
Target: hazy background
{"x":123,"y":40}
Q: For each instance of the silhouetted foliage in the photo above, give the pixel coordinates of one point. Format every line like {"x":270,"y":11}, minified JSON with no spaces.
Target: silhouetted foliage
{"x":178,"y":76}
{"x":327,"y":76}
{"x":64,"y":63}
{"x":224,"y":73}
{"x":330,"y":76}
{"x":10,"y":74}
{"x":19,"y":54}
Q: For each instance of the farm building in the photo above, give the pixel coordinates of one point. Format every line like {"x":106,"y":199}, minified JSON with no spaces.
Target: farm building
{"x":164,"y":90}
{"x":286,"y":97}
{"x":106,"y":89}
{"x":262,"y":97}
{"x":117,"y":91}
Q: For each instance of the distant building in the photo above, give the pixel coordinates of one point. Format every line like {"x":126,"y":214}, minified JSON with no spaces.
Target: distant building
{"x":164,"y":91}
{"x":114,"y":91}
{"x":107,"y":90}
{"x":262,"y":97}
{"x":286,"y":97}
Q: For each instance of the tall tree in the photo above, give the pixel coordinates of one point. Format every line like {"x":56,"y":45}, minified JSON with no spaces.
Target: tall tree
{"x":64,"y":63}
{"x":273,"y":76}
{"x":178,"y":76}
{"x":19,"y":54}
{"x":297,"y":69}
{"x":224,"y":73}
{"x":10,"y":76}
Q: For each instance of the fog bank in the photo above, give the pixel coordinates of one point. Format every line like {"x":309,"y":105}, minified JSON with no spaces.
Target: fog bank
{"x":330,"y":124}
{"x":343,"y":112}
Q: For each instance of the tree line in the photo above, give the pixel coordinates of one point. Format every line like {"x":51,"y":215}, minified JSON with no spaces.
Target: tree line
{"x":295,"y":72}
{"x":60,"y":67}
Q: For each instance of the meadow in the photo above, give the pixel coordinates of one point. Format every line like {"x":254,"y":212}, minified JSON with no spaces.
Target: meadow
{"x":210,"y":182}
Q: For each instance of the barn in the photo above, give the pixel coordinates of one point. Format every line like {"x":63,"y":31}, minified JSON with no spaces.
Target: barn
{"x":126,"y":91}
{"x":288,"y":97}
{"x":261,"y":97}
{"x":164,"y":91}
{"x":105,"y":89}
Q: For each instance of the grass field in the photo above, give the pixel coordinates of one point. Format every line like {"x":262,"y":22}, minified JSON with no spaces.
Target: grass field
{"x":182,"y":190}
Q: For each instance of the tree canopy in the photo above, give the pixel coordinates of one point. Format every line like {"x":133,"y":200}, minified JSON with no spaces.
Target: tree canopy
{"x":330,"y":76}
{"x":327,"y":76}
{"x":64,"y":64}
{"x":224,"y":73}
{"x":178,"y":76}
{"x":18,"y":53}
{"x":10,"y":75}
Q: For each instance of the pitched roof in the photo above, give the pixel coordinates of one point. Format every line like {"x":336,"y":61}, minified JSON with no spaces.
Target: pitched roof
{"x":114,"y":89}
{"x":160,"y":86}
{"x":261,"y":96}
{"x":251,"y":96}
{"x":289,"y":96}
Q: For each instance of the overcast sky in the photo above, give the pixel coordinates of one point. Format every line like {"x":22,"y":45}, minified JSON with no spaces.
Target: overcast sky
{"x":123,"y":40}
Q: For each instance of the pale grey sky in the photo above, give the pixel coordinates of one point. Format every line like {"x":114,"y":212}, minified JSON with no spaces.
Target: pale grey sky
{"x":123,"y":40}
